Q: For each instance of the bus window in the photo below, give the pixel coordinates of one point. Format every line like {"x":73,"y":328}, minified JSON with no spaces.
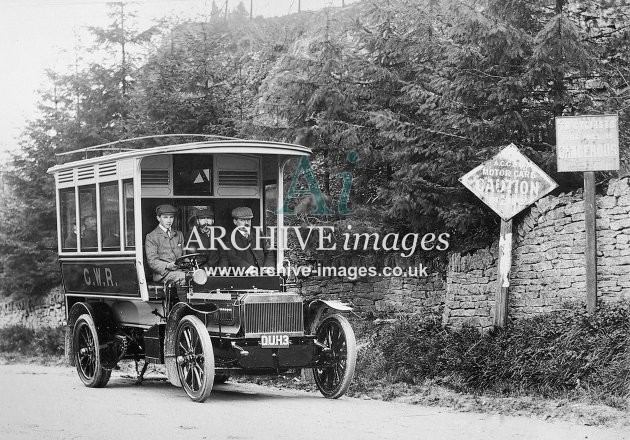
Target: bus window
{"x":130,"y":231}
{"x":68,"y":219}
{"x":110,"y":217}
{"x":87,"y":206}
{"x":192,"y":175}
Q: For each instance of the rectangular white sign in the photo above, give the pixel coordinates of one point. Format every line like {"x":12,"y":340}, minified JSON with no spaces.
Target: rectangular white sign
{"x":587,"y":143}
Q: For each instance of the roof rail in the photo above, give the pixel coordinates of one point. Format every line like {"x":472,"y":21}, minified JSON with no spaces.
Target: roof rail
{"x":108,"y":145}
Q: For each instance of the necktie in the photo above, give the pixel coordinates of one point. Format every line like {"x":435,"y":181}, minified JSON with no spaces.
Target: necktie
{"x":168,"y":232}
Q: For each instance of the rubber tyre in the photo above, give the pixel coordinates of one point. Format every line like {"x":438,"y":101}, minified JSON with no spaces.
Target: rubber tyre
{"x":194,"y":358}
{"x":335,"y":332}
{"x":87,"y":357}
{"x":171,"y":372}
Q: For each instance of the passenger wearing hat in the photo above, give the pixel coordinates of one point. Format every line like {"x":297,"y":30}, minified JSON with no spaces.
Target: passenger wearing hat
{"x":163,"y":246}
{"x":89,"y":237}
{"x":244,"y":250}
{"x":199,"y":238}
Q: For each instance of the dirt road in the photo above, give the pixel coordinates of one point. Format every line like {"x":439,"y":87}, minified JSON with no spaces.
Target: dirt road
{"x":50,"y":403}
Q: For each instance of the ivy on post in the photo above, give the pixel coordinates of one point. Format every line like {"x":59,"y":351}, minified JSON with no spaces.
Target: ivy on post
{"x":507,"y":183}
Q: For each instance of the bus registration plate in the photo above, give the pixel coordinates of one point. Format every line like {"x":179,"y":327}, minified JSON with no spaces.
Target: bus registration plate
{"x":274,"y":340}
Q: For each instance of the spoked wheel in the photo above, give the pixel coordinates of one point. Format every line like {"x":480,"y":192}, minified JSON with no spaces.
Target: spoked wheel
{"x":334,"y":375}
{"x":86,"y":354}
{"x":194,"y":358}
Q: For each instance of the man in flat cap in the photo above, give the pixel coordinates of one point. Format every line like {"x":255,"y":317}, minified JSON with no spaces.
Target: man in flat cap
{"x":244,"y":250}
{"x":163,"y":246}
{"x":199,"y":238}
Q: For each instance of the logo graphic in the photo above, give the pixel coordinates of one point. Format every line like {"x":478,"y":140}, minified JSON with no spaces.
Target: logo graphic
{"x":304,"y":168}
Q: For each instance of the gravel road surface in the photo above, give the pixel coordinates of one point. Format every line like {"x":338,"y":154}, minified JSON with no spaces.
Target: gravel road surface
{"x":38,"y":402}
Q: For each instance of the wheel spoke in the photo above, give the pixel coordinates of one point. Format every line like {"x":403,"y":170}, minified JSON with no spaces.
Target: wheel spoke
{"x":194,"y":342}
{"x":198,"y":377}
{"x":187,"y":337}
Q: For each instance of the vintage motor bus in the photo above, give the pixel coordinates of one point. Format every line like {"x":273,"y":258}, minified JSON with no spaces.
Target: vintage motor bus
{"x":215,"y":326}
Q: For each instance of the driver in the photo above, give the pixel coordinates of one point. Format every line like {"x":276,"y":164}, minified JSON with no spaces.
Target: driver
{"x":163,"y":246}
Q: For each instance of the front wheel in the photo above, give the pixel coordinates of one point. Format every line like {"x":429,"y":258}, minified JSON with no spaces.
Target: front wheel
{"x":338,"y":360}
{"x":194,"y":358}
{"x":87,"y":356}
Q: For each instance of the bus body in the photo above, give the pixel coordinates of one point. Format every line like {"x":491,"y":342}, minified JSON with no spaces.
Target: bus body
{"x":214,"y":326}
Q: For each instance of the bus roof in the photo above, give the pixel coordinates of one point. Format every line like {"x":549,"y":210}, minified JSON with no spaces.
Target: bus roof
{"x":216,"y":146}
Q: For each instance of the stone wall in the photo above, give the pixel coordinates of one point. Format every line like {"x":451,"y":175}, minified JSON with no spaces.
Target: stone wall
{"x":47,"y":311}
{"x":380,"y":294}
{"x":548,"y":262}
{"x":470,"y":288}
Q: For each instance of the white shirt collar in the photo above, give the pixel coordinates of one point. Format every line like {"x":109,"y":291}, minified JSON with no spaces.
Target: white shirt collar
{"x":163,"y":228}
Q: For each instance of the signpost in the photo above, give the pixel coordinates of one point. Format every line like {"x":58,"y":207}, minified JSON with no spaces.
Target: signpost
{"x":507,"y":183}
{"x":588,"y":143}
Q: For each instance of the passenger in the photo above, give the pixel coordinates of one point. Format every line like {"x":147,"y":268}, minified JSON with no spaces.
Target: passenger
{"x":89,"y":238}
{"x":71,"y":240}
{"x":203,"y":220}
{"x":163,"y":246}
{"x":246,"y":239}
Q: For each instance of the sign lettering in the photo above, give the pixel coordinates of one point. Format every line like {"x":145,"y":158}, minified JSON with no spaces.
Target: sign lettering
{"x":101,"y":277}
{"x":509,"y":182}
{"x":587,"y":143}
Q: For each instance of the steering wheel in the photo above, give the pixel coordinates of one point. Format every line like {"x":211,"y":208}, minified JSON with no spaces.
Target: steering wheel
{"x":190,"y":261}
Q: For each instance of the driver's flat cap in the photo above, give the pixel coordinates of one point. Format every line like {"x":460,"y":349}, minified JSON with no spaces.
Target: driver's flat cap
{"x":165,"y":209}
{"x":242,"y":212}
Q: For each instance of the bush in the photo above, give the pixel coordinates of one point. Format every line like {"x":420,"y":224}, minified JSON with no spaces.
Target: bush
{"x":23,"y":340}
{"x":16,"y":339}
{"x":562,"y":351}
{"x":50,"y":340}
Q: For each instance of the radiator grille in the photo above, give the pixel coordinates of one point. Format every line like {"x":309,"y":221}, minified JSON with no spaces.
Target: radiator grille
{"x":274,"y":317}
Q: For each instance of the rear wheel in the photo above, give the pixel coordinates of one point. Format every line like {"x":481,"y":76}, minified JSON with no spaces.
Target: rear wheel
{"x":86,"y":353}
{"x":338,"y":361}
{"x":194,"y":358}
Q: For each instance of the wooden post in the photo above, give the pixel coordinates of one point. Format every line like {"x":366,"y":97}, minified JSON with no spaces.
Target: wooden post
{"x":590,"y":210}
{"x":503,"y":274}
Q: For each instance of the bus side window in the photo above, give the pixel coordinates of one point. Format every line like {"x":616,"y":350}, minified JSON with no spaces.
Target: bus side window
{"x":130,"y":230}
{"x":110,"y":216}
{"x":87,"y":206}
{"x":68,"y":219}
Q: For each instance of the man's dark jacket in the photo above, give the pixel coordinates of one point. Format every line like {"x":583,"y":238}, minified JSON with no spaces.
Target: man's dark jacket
{"x":216,"y":258}
{"x":251,"y":256}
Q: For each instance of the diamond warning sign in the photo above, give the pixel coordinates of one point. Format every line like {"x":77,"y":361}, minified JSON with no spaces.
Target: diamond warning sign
{"x":509,"y":182}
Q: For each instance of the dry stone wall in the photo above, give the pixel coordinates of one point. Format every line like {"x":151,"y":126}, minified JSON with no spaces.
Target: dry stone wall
{"x":380,"y":294}
{"x":470,"y":288}
{"x":548,"y":263}
{"x":47,"y":311}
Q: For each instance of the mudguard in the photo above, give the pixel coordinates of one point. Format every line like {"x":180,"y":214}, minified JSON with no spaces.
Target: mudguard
{"x":176,"y":314}
{"x":105,"y":329}
{"x":316,"y":307}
